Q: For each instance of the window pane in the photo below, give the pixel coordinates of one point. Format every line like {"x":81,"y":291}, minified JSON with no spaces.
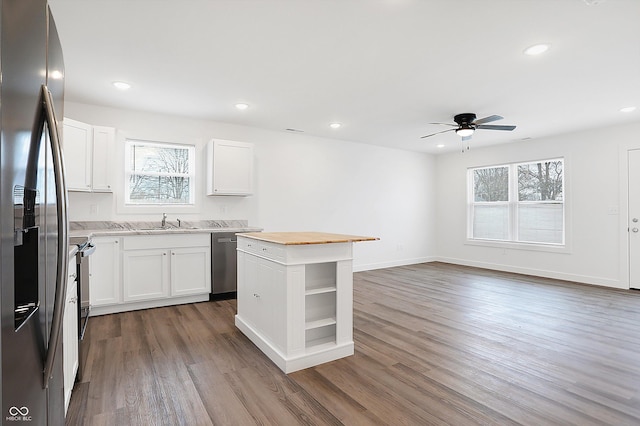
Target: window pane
{"x":540,"y":223}
{"x":153,"y":158}
{"x":540,"y":181}
{"x":159,"y":189}
{"x":491,"y":184}
{"x":491,"y":222}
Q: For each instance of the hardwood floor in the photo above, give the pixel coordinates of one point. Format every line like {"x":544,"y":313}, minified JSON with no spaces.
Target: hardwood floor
{"x":435,"y":344}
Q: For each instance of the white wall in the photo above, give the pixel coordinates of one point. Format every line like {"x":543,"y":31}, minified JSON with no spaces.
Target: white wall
{"x":302,"y":184}
{"x":594,"y":231}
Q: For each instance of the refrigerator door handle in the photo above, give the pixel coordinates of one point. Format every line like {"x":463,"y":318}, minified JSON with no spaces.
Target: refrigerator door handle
{"x":63,"y":254}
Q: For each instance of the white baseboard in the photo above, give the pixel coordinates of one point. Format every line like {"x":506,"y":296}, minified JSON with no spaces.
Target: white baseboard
{"x":584,"y":279}
{"x":391,"y":264}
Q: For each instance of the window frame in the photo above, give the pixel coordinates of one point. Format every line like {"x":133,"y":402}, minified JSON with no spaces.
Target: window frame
{"x":513,"y":204}
{"x":191,"y":175}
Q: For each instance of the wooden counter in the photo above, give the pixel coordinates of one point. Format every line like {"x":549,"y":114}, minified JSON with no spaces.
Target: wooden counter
{"x":300,"y":238}
{"x":295,"y":295}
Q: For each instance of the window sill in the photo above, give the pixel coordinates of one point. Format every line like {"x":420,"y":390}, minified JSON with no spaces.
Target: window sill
{"x":566,"y":249}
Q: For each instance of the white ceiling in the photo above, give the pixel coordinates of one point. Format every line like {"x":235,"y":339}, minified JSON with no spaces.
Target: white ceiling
{"x":383,"y":68}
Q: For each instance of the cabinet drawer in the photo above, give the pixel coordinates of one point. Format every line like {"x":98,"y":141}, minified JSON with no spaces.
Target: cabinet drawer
{"x":271,"y":251}
{"x":262,"y":248}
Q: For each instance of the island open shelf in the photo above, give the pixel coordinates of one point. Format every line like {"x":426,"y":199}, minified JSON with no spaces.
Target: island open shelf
{"x":295,"y":295}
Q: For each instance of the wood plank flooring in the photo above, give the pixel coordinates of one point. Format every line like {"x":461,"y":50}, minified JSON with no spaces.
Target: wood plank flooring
{"x":434,"y":344}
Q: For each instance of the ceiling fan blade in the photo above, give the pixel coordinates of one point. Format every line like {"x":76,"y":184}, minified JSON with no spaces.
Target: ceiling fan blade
{"x":445,"y":124}
{"x":488,"y":119}
{"x":495,"y":127}
{"x":433,"y":134}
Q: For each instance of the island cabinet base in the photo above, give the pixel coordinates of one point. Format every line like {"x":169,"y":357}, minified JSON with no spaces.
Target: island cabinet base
{"x":289,"y":364}
{"x":295,"y":301}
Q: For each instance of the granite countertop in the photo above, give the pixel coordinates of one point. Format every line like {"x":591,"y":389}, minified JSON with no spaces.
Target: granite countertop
{"x":79,"y":230}
{"x":301,"y":238}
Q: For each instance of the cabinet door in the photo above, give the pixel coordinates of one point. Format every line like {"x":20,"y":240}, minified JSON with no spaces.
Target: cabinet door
{"x":70,"y":338}
{"x":229,"y":168}
{"x":103,"y":141}
{"x":77,"y":146}
{"x":190,"y":271}
{"x":145,"y":274}
{"x":248,"y":290}
{"x":104,"y":272}
{"x":272,"y":301}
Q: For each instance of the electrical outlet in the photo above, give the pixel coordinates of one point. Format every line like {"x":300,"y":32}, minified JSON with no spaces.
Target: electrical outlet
{"x":93,"y":209}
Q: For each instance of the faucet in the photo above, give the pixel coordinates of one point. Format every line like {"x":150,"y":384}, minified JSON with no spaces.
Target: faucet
{"x":164,"y":220}
{"x":179,"y":223}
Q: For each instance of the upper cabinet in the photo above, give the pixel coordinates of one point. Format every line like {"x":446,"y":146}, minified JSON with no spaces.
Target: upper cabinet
{"x":229,"y":168}
{"x":87,"y":152}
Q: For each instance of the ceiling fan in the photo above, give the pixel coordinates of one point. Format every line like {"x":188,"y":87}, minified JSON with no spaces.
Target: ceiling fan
{"x":467,"y":125}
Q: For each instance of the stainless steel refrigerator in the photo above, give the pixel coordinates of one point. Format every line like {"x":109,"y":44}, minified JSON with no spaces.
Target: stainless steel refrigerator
{"x":33,"y":219}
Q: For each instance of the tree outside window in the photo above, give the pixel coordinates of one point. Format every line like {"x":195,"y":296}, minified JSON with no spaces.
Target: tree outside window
{"x":159,"y":173}
{"x":518,"y":202}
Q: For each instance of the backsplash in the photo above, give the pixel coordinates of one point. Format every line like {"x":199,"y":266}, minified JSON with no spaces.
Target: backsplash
{"x":126,"y":225}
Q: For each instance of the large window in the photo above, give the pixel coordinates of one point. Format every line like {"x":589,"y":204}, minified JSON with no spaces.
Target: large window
{"x":518,"y":202}
{"x":159,"y":173}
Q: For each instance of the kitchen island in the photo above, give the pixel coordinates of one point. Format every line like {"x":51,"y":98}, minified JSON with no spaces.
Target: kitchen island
{"x":295,"y":295}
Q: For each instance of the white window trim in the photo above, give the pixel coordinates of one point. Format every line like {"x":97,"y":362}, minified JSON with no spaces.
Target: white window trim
{"x":565,"y":248}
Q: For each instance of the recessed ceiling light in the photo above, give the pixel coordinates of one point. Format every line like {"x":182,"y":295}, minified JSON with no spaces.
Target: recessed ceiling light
{"x":242,"y":106}
{"x":440,"y":145}
{"x":628,"y":109}
{"x":335,"y":125}
{"x":121,"y":85}
{"x":537,"y":49}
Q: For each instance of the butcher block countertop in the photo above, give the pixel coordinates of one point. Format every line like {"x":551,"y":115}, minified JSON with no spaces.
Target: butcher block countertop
{"x":301,"y":238}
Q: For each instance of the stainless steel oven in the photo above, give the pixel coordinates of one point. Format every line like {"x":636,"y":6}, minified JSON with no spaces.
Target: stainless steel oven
{"x":85,"y":249}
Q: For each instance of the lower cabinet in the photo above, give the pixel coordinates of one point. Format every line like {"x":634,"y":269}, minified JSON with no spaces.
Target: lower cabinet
{"x":263,"y":297}
{"x":145,"y":274}
{"x":70,"y":334}
{"x":144,"y":271}
{"x":104,"y":272}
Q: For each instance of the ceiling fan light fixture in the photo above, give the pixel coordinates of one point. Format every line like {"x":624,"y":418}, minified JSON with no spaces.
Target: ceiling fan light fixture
{"x":465,"y":131}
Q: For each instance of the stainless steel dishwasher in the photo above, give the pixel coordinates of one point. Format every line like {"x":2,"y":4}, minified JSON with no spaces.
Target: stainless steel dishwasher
{"x":224,"y":265}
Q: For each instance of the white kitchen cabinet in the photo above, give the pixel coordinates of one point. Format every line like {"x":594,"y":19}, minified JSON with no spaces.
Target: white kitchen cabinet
{"x":162,"y":266}
{"x":295,"y":297}
{"x":77,"y":141}
{"x":148,"y":271}
{"x":191,"y":270}
{"x":70,"y":356}
{"x":103,"y":144}
{"x":145,"y":274}
{"x":104,"y":272}
{"x":263,"y":296}
{"x":229,"y":168}
{"x":87,"y":151}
